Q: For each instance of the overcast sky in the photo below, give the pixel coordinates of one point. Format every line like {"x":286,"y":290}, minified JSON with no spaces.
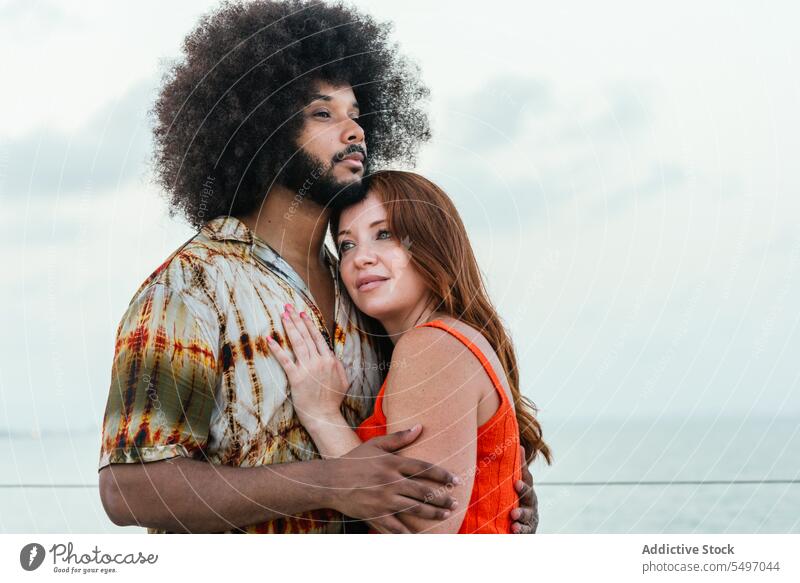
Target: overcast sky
{"x":627,"y":175}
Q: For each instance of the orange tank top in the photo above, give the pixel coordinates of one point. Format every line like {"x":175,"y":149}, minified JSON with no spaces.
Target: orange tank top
{"x":498,"y":463}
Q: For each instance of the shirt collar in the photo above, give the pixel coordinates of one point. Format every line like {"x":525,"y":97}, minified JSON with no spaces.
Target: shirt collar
{"x":227,"y":228}
{"x":230,"y":228}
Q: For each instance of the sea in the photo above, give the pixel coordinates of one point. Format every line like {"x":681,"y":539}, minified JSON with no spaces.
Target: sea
{"x":712,"y":474}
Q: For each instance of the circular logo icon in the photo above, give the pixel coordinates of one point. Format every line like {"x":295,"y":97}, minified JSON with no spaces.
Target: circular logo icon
{"x":31,"y":556}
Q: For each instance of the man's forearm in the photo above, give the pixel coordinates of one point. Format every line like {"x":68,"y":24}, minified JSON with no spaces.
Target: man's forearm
{"x":186,"y":495}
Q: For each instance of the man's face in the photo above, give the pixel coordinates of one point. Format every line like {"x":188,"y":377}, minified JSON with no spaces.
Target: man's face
{"x":329,"y":164}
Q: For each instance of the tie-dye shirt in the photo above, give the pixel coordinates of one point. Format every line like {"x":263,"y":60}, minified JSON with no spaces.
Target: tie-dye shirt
{"x":193,"y":374}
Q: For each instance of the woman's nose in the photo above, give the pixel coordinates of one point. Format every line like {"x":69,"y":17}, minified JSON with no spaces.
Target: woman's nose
{"x":364,"y":256}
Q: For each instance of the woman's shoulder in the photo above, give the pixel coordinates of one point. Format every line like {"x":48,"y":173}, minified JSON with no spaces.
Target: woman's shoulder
{"x":438,"y":348}
{"x":424,"y":341}
{"x":430,"y":347}
{"x":469,"y":332}
{"x":431,"y":367}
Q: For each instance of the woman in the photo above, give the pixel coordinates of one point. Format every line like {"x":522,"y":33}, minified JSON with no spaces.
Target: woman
{"x":406,"y":261}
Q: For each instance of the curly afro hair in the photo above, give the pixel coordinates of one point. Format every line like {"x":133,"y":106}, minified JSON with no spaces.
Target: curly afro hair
{"x":229,"y":112}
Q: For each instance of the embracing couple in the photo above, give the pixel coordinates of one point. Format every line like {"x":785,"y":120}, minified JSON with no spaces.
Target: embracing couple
{"x":263,"y":382}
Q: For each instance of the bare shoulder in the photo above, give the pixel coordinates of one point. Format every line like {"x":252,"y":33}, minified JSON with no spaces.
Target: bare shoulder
{"x":430,"y":356}
{"x":476,"y":337}
{"x":434,"y":378}
{"x":428,"y":348}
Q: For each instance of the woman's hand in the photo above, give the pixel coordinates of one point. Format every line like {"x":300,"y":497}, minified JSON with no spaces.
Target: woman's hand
{"x":317,"y":378}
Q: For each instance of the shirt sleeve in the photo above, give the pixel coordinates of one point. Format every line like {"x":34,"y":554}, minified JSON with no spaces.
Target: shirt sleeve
{"x":163,"y":380}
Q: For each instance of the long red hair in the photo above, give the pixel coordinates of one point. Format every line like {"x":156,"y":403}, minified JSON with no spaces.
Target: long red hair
{"x":420,"y":212}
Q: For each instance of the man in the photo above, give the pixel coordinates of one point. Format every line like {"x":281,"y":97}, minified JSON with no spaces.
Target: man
{"x":261,"y":130}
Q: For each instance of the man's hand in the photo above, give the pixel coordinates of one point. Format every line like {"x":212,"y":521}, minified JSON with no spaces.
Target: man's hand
{"x":526,"y":517}
{"x":373,"y":484}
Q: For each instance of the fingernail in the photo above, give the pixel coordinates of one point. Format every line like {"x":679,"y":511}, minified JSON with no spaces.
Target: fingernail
{"x":414,"y":428}
{"x":456,"y":480}
{"x":445,"y":514}
{"x":303,"y":315}
{"x":453,"y":504}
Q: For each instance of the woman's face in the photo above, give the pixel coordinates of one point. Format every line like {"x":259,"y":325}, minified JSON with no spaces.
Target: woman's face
{"x":376,"y":268}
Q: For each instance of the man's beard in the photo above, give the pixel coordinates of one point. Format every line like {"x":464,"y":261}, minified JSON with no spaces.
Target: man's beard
{"x":309,"y":178}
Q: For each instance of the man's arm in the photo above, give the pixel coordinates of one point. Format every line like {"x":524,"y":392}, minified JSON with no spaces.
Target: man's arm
{"x":526,"y":517}
{"x":186,"y":495}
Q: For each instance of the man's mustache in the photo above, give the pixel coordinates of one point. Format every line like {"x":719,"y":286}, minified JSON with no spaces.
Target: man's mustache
{"x":351,"y":149}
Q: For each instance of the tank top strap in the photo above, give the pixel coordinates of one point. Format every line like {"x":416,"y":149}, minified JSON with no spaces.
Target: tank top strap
{"x":487,"y":366}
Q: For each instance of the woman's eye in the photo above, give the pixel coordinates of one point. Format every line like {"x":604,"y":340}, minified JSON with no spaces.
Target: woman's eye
{"x":324,"y":114}
{"x":382,"y":232}
{"x":343,"y":246}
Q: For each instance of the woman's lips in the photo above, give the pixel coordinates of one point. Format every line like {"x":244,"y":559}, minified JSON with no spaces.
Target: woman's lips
{"x":370,"y":285}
